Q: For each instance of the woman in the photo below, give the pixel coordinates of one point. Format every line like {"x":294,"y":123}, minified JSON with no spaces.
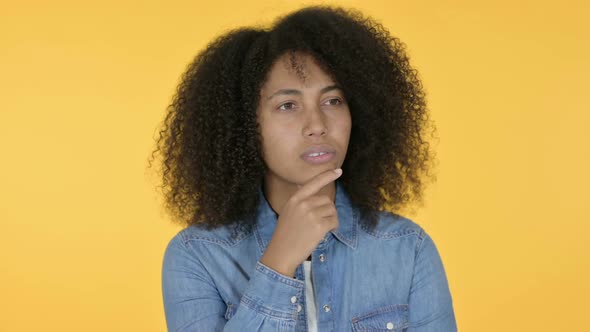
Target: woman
{"x":282,"y":148}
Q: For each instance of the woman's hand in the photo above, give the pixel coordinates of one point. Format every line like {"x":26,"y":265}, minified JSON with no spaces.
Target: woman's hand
{"x":304,"y":221}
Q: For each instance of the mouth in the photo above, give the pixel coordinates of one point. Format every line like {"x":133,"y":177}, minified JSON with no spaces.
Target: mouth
{"x":318,"y":157}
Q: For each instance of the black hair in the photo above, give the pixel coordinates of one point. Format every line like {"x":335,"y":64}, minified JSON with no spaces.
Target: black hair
{"x":210,"y":141}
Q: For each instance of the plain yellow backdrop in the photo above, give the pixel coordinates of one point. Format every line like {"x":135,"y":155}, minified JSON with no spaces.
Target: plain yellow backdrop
{"x":83,"y":88}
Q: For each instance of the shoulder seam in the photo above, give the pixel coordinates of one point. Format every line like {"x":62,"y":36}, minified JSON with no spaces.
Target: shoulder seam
{"x":422,"y":235}
{"x":186,"y":238}
{"x":390,"y":235}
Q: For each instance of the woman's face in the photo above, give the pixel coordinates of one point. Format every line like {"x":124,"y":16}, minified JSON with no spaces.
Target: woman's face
{"x":296,"y":115}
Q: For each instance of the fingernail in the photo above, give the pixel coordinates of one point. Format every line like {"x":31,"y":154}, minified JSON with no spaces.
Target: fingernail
{"x":338,"y":171}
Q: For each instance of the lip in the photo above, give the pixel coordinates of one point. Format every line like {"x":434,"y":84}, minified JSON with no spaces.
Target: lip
{"x":319,"y":159}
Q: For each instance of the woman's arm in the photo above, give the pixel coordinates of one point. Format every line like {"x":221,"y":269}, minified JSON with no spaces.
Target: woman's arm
{"x":430,"y":304}
{"x":193,"y":303}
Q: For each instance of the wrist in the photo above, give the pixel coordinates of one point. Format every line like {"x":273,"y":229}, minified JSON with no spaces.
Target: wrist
{"x":280,"y":268}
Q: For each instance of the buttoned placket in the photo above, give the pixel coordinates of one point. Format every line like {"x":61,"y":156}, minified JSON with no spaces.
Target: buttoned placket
{"x":301,"y":314}
{"x":323,"y":295}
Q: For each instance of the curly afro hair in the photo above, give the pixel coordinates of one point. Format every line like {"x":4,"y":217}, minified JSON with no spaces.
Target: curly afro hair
{"x":210,"y":141}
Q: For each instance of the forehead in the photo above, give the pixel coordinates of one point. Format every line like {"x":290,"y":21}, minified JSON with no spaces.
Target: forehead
{"x":298,"y":69}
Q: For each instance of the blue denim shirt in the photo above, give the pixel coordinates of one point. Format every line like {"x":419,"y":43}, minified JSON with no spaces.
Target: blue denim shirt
{"x":390,"y":279}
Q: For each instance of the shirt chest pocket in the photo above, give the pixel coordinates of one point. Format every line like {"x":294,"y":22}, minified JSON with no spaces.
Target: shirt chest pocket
{"x":389,"y":318}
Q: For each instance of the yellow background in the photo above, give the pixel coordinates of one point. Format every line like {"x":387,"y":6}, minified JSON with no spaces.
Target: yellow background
{"x":83,"y":88}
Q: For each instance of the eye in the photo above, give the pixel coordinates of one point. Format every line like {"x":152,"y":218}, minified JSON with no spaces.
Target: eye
{"x":338,"y":101}
{"x":288,"y":108}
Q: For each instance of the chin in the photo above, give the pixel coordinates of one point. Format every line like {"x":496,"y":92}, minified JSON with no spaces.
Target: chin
{"x":314,"y":170}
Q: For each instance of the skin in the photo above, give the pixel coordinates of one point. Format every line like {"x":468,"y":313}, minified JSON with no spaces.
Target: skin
{"x":314,"y":112}
{"x":290,"y":123}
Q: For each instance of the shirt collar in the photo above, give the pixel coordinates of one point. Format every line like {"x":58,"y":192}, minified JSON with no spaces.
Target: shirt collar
{"x":346,"y":232}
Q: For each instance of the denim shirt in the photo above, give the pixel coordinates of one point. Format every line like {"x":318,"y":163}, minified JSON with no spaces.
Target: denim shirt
{"x":389,"y":279}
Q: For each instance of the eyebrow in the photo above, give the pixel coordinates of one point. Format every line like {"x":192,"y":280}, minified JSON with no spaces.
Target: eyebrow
{"x":298,"y":92}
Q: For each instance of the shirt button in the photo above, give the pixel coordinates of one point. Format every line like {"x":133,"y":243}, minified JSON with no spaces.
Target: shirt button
{"x":298,"y":307}
{"x":326,"y":308}
{"x":390,"y":326}
{"x":322,"y":258}
{"x":293,"y":299}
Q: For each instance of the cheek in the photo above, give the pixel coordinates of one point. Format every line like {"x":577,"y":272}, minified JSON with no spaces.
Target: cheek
{"x":277,"y":143}
{"x":343,"y":124}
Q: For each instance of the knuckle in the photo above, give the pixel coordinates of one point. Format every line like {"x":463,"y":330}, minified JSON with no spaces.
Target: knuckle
{"x":324,"y":199}
{"x":295,"y":197}
{"x":334,"y":223}
{"x":315,"y":214}
{"x":330,"y":224}
{"x":304,"y":204}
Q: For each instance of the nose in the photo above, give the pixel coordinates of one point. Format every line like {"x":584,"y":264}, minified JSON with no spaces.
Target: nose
{"x":315,"y":123}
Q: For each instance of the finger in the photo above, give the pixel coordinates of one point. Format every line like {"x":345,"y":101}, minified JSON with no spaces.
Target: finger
{"x":330,"y":222}
{"x":326,"y":210}
{"x":316,"y":183}
{"x":317,"y":200}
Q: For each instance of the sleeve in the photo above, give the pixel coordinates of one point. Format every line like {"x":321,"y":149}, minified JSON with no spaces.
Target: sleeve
{"x":430,"y":303}
{"x":193,"y":303}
